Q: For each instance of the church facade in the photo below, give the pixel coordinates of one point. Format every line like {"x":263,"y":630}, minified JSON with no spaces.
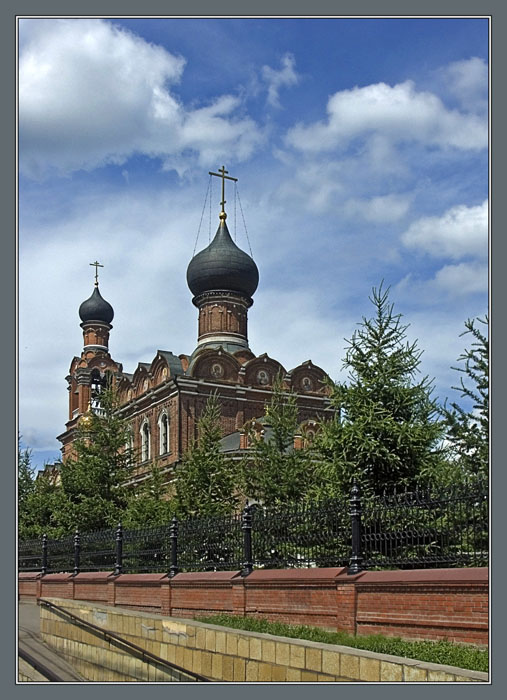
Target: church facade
{"x":163,"y":400}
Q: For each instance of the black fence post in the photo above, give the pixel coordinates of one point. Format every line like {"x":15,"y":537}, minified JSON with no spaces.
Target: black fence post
{"x":44,"y":567}
{"x":246,"y":525}
{"x":173,"y":536}
{"x":77,"y":551}
{"x":119,"y":550}
{"x":355,"y":517}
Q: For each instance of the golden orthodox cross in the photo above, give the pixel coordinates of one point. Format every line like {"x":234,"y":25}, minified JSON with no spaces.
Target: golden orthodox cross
{"x":223,"y":173}
{"x":96,"y":265}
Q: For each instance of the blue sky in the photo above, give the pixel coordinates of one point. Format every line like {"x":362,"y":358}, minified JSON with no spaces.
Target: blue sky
{"x":361,"y":149}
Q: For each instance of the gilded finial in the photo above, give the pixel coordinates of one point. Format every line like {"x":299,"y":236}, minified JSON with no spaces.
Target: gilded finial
{"x":223,"y":173}
{"x":96,"y":265}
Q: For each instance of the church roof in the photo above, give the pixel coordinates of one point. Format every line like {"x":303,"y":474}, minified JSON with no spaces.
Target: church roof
{"x":96,"y":308}
{"x":222,"y":266}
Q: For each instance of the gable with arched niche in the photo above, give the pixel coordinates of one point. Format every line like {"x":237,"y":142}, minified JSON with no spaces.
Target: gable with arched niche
{"x":125,"y":390}
{"x":215,"y":365}
{"x":308,"y":431}
{"x":141,"y":381}
{"x":104,"y":363}
{"x":307,"y":378}
{"x":164,"y":366}
{"x":251,"y":432}
{"x":159,"y":370}
{"x":262,"y":371}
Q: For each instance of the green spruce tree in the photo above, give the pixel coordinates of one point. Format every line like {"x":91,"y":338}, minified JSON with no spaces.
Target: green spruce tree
{"x":385,"y":432}
{"x":93,"y":482}
{"x":206,"y":481}
{"x":468,"y":429}
{"x":274,"y":472}
{"x":149,"y":504}
{"x":39,"y":502}
{"x":26,"y":481}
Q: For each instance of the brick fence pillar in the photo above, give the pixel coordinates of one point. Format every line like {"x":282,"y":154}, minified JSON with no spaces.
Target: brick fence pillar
{"x":239,"y":593}
{"x":346,"y":606}
{"x":111,"y":591}
{"x":165,"y":597}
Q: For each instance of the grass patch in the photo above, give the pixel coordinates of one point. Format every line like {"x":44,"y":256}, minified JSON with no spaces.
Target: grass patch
{"x":447,"y":653}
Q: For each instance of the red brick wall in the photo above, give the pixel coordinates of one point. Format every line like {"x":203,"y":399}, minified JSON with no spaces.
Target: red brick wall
{"x":202,"y":593}
{"x":28,"y":584}
{"x":425,"y":604}
{"x":436,"y":607}
{"x":92,"y":586}
{"x":139,"y":591}
{"x":305,"y":596}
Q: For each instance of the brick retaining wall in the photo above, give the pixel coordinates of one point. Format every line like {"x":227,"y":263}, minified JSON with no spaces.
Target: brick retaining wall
{"x":433,"y":604}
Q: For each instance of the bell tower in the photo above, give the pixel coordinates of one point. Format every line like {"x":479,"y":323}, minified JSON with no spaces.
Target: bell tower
{"x":87,"y":373}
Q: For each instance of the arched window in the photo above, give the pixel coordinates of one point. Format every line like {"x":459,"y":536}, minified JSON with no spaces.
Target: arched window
{"x":97,"y":384}
{"x":129,"y":443}
{"x":163,"y":431}
{"x":145,"y":441}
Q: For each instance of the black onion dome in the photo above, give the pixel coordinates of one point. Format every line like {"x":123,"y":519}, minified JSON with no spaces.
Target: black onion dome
{"x":222,"y":266}
{"x":96,"y":309}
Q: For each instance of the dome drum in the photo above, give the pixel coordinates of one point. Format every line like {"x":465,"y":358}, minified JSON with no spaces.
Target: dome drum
{"x":223,"y":294}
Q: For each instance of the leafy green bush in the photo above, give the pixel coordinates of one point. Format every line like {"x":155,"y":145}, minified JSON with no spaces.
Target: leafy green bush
{"x":459,"y":655}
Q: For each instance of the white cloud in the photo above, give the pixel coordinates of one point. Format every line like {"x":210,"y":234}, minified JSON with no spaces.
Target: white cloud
{"x":277,"y":79}
{"x":461,"y":231}
{"x":447,"y":285}
{"x":318,"y":185}
{"x":467,"y":80}
{"x":91,"y":93}
{"x":462,"y":279}
{"x":309,"y":331}
{"x":399,"y":113}
{"x":382,"y":209}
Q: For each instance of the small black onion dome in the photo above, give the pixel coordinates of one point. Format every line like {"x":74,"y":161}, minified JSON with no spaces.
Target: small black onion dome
{"x":96,"y":309}
{"x":222,"y":265}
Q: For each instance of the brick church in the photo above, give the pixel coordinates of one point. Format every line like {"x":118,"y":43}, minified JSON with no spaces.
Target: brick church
{"x":162,"y":400}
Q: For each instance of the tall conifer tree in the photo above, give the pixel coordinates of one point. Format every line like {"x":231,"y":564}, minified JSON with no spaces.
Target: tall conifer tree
{"x":386,"y":431}
{"x":468,"y":429}
{"x":206,"y":481}
{"x":94,"y":481}
{"x":273,"y":471}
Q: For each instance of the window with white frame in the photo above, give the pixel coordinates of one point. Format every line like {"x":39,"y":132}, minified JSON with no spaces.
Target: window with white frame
{"x":145,"y":441}
{"x":129,"y":442}
{"x":163,"y":431}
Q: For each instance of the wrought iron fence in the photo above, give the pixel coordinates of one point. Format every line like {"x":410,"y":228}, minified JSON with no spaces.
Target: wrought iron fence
{"x":96,"y":551}
{"x":301,"y":535}
{"x":406,"y":530}
{"x":427,"y":530}
{"x":210,"y":544}
{"x":146,"y":550}
{"x":30,"y":555}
